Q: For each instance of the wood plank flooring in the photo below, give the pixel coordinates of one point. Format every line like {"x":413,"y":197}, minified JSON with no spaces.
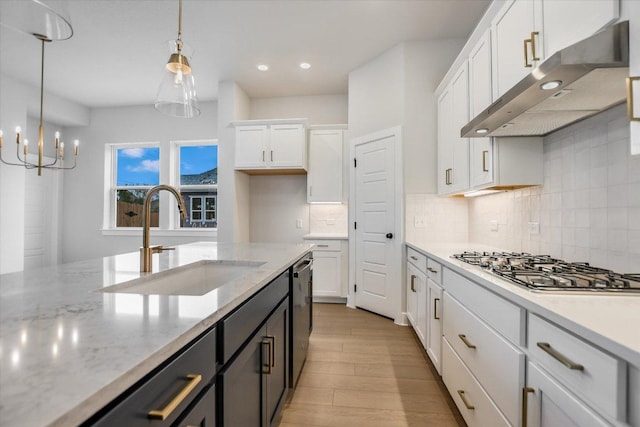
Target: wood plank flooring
{"x":363,"y":370}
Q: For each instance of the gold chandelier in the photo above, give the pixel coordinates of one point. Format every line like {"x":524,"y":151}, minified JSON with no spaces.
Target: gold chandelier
{"x":46,"y":22}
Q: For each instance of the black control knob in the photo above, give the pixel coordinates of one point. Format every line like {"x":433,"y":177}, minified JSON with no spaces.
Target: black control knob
{"x":389,"y":235}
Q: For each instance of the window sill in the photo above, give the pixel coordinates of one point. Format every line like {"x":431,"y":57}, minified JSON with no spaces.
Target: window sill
{"x":196,"y":232}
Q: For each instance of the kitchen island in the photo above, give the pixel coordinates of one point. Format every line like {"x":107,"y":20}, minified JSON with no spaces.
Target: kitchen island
{"x":67,"y":349}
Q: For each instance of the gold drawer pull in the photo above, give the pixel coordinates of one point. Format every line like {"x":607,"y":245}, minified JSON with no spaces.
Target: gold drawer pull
{"x":435,"y":308}
{"x":432,"y":270}
{"x":527,"y":64}
{"x":630,"y":100}
{"x":484,"y":160}
{"x":322,"y":246}
{"x":466,"y":341}
{"x":163,"y":414}
{"x":413,"y":283}
{"x":465,"y":401}
{"x":534,"y":54}
{"x":525,"y":404}
{"x":546,"y":347}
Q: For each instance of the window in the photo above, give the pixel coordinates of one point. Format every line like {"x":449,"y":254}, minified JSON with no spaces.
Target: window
{"x":131,"y":169}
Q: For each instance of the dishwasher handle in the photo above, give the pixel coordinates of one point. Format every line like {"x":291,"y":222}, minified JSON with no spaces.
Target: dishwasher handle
{"x":302,"y":266}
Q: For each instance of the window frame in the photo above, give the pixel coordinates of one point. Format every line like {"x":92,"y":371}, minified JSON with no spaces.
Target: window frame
{"x":169,"y":224}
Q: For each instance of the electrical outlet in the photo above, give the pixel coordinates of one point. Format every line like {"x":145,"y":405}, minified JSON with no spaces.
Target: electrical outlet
{"x":419,"y":221}
{"x":534,"y":228}
{"x":493,"y":224}
{"x":298,"y":223}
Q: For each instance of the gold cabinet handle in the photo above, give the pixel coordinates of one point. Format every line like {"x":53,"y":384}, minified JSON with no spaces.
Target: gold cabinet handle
{"x":163,"y":414}
{"x":525,"y":403}
{"x":447,"y":176}
{"x":527,"y":64}
{"x":270,"y":342}
{"x":263,"y":155}
{"x":322,"y":246}
{"x":484,"y":160}
{"x":272,"y":155}
{"x":546,"y":347}
{"x":435,"y":308}
{"x":413,"y":283}
{"x":465,"y":401}
{"x":534,"y":54}
{"x":630,"y":100}
{"x":466,"y":341}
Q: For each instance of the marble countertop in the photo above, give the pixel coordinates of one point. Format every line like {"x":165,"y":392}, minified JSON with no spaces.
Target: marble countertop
{"x":607,"y":320}
{"x":326,"y":236}
{"x":66,"y":349}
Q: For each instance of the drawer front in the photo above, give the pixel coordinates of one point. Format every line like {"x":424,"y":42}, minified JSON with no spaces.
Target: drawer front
{"x":497,"y":364}
{"x":462,"y":385}
{"x":203,"y":413}
{"x":240,"y":325}
{"x":585,"y":370}
{"x":326,"y":245}
{"x":417,"y":259}
{"x":434,"y":271}
{"x":502,"y":315}
{"x":175,"y":379}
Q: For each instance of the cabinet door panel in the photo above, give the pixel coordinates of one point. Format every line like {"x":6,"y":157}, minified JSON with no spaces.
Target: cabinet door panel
{"x":277,"y":379}
{"x":287,"y":148}
{"x":460,"y":104}
{"x":242,"y":385}
{"x":325,"y":167}
{"x":481,"y":158}
{"x":326,"y":274}
{"x":251,"y":146}
{"x":434,"y":321}
{"x":445,"y":151}
{"x":480,"y":75}
{"x":203,"y":413}
{"x":412,"y":295}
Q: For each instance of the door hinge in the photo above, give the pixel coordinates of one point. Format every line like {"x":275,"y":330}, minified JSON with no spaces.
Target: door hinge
{"x":355,"y":288}
{"x":355,"y":163}
{"x":355,"y":225}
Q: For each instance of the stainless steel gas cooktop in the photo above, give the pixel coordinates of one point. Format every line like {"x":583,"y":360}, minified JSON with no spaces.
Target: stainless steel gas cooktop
{"x":544,"y":273}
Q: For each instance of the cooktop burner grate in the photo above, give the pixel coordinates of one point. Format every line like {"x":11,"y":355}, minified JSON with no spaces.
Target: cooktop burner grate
{"x":545,"y":273}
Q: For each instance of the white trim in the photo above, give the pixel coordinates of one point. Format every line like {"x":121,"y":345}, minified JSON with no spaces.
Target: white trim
{"x":268,"y":122}
{"x":396,"y":271}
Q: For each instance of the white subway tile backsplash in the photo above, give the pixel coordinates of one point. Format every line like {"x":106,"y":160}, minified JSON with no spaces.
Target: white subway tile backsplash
{"x":617,"y":195}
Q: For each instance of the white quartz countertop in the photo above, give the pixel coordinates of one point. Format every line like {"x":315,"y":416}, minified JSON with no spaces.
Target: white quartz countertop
{"x":326,"y":236}
{"x":607,"y":320}
{"x":67,"y":350}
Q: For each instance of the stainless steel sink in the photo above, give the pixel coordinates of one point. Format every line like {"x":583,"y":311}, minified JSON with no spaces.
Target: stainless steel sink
{"x":198,"y":278}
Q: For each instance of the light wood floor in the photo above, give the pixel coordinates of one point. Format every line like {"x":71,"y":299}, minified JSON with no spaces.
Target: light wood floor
{"x":363,"y":370}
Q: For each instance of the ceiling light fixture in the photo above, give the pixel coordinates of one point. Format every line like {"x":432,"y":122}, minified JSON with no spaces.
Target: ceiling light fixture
{"x":263,"y":67}
{"x":177,"y":93}
{"x":46,"y":21}
{"x":305,"y":65}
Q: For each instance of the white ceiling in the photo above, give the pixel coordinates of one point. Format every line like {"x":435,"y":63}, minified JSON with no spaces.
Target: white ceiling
{"x":119,"y":47}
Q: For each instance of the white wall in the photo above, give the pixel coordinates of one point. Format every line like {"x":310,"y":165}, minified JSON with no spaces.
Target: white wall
{"x":588,"y":207}
{"x":278,"y":201}
{"x":83,"y":187}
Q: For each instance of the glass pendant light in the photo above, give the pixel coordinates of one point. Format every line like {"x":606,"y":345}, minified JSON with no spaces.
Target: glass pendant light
{"x":177,"y":93}
{"x":49,"y":19}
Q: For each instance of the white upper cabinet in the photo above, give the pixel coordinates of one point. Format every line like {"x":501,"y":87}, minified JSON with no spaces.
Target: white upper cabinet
{"x":324,"y":180}
{"x":271,"y":146}
{"x":565,"y":22}
{"x":515,"y":46}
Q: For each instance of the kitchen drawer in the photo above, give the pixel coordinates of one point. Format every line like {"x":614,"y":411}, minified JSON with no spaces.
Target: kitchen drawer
{"x":417,"y":259}
{"x":179,"y":375}
{"x":495,"y":362}
{"x":585,"y":370}
{"x":240,"y":325}
{"x":326,"y":245}
{"x":434,"y":271}
{"x":503,"y":316}
{"x":478,"y":410}
{"x":203,"y":411}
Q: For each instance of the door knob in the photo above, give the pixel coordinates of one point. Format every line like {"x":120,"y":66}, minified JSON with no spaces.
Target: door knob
{"x":389,"y":235}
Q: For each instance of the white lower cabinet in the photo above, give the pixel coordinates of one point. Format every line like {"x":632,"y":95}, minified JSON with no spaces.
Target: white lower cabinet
{"x":435,"y":314}
{"x":474,"y":404}
{"x":417,"y":299}
{"x":546,"y":403}
{"x":328,"y":272}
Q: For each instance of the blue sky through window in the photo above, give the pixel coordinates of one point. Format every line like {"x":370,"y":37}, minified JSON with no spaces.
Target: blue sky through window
{"x":138,"y":166}
{"x":197,"y":159}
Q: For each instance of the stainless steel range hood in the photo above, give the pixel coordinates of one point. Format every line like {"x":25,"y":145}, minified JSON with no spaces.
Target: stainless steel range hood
{"x":592,"y":78}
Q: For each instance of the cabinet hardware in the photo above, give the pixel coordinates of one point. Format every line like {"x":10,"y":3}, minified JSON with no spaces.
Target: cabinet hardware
{"x":263,"y":155}
{"x":432,"y":270}
{"x":465,"y":401}
{"x":466,"y":341}
{"x":630,"y":100}
{"x":413,"y":283}
{"x":447,"y":176}
{"x":270,"y":342}
{"x":272,"y":155}
{"x":546,"y":347}
{"x":534,"y":54}
{"x":484,"y":160}
{"x":527,"y":64}
{"x":164,"y":413}
{"x":525,"y":404}
{"x":435,"y":308}
{"x":322,"y":246}
{"x":413,"y":258}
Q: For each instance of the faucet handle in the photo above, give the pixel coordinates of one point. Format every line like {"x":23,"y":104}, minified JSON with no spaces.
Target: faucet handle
{"x":159,"y":248}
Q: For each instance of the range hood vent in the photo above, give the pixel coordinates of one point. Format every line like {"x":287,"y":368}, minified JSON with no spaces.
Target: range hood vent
{"x":590,"y":77}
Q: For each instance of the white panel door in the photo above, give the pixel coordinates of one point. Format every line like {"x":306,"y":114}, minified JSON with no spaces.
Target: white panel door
{"x":375,"y":204}
{"x":287,"y":148}
{"x":251,"y":147}
{"x":41,"y":225}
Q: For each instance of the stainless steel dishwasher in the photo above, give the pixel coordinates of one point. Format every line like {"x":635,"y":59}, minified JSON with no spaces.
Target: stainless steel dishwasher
{"x":301,"y":313}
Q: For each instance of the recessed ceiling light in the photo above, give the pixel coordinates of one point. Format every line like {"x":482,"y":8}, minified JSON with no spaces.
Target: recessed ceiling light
{"x":550,"y":85}
{"x":305,"y":65}
{"x":263,"y":67}
{"x":482,"y":131}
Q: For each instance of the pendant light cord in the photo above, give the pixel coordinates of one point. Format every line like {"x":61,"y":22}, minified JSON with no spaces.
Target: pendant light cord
{"x":179,"y":39}
{"x":42,"y":79}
